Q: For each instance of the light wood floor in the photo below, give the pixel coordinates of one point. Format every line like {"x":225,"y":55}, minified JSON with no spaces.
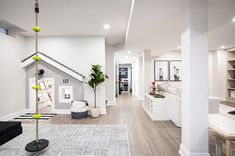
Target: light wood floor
{"x":147,"y":138}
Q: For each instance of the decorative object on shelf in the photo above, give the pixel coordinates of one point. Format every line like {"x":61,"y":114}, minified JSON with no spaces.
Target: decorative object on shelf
{"x":97,"y":77}
{"x":38,"y":144}
{"x":65,"y":94}
{"x":161,"y":70}
{"x":175,"y":70}
{"x":153,"y":88}
{"x":158,"y":96}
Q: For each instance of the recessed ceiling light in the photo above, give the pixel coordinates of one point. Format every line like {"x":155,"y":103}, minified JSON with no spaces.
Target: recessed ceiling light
{"x":128,"y":51}
{"x":179,"y":47}
{"x":106,"y":26}
{"x":233,"y":19}
{"x":222,"y":47}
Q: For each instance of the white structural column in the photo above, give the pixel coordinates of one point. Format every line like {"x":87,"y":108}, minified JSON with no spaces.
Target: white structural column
{"x":141,"y":78}
{"x":147,"y":70}
{"x":195,"y":79}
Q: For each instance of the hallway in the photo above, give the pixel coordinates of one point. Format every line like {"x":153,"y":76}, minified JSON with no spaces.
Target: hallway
{"x":146,"y":138}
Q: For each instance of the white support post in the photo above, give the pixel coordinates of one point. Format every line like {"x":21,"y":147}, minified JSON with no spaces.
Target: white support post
{"x":147,"y":70}
{"x":195,"y":79}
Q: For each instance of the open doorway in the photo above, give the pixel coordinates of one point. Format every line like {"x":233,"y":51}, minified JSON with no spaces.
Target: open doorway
{"x":46,"y":95}
{"x":124,"y":79}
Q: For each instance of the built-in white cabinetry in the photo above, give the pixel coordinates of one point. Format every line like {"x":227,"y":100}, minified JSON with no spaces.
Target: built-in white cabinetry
{"x":156,"y":108}
{"x":163,"y":109}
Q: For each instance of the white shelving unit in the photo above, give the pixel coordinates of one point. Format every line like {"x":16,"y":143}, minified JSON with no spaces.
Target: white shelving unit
{"x":231,"y":75}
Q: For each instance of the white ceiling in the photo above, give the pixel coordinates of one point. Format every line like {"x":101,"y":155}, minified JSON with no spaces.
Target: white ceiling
{"x":70,"y":17}
{"x":154,"y":24}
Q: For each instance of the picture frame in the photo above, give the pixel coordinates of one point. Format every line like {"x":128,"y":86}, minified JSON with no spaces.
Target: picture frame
{"x":65,"y":94}
{"x":123,"y":72}
{"x":161,"y":70}
{"x":175,"y":69}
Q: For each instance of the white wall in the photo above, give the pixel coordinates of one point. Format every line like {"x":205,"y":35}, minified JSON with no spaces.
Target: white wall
{"x":12,"y":81}
{"x":141,"y":79}
{"x":110,"y":71}
{"x":217,"y":73}
{"x":77,"y":53}
{"x":217,"y":70}
{"x":147,"y":63}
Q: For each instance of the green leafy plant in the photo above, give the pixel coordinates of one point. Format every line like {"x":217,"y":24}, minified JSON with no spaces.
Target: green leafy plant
{"x":158,"y":96}
{"x":97,"y":77}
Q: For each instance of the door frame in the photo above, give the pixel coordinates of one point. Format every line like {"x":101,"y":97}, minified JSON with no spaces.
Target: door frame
{"x":31,"y":93}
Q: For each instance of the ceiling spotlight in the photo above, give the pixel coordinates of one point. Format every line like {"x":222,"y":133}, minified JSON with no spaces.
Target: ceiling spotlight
{"x":128,"y":51}
{"x":106,"y":26}
{"x":222,"y":47}
{"x":233,"y":19}
{"x":179,"y":47}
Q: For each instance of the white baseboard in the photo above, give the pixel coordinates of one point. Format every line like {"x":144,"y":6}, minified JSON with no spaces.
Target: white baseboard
{"x":103,"y":111}
{"x":68,"y":111}
{"x":13,"y":115}
{"x":185,"y":152}
{"x":62,"y":111}
{"x":111,"y":103}
{"x":141,"y":98}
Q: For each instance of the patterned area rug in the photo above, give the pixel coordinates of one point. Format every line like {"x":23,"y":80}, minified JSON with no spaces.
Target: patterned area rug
{"x":72,"y":140}
{"x":29,"y":117}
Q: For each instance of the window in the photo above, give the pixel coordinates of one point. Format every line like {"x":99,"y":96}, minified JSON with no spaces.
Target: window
{"x":3,"y":31}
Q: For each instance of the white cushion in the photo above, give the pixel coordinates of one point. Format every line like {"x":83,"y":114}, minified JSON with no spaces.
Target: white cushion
{"x":74,"y":109}
{"x":172,"y":90}
{"x":79,"y":104}
{"x":163,"y":87}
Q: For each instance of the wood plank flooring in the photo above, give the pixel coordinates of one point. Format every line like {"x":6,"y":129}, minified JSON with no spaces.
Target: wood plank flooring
{"x":147,"y":138}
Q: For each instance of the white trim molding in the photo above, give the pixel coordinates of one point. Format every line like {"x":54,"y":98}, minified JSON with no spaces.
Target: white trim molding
{"x":53,"y":63}
{"x":62,"y":111}
{"x":111,"y":103}
{"x":185,"y":152}
{"x":68,"y":111}
{"x":103,"y":111}
{"x":13,"y":115}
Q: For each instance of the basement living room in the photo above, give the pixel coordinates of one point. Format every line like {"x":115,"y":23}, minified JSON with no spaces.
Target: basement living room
{"x":117,"y":78}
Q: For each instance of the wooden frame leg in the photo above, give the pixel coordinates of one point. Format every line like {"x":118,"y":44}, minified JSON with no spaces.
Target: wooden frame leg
{"x":218,"y":147}
{"x":228,"y":147}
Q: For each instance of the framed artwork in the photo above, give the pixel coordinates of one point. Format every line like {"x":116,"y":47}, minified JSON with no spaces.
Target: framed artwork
{"x":65,"y":94}
{"x":123,"y":72}
{"x":175,"y":70}
{"x":161,"y":70}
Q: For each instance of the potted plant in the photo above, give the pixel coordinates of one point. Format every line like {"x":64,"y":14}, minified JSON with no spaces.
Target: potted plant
{"x":97,"y":77}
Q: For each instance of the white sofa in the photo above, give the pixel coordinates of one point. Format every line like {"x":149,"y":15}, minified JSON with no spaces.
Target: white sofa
{"x":169,"y":108}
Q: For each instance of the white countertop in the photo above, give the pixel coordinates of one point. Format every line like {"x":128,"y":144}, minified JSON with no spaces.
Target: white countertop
{"x":222,"y":125}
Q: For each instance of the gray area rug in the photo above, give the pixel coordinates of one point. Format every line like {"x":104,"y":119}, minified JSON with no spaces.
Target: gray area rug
{"x":72,"y":140}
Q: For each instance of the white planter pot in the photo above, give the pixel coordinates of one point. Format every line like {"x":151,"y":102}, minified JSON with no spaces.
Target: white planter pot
{"x":95,"y":112}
